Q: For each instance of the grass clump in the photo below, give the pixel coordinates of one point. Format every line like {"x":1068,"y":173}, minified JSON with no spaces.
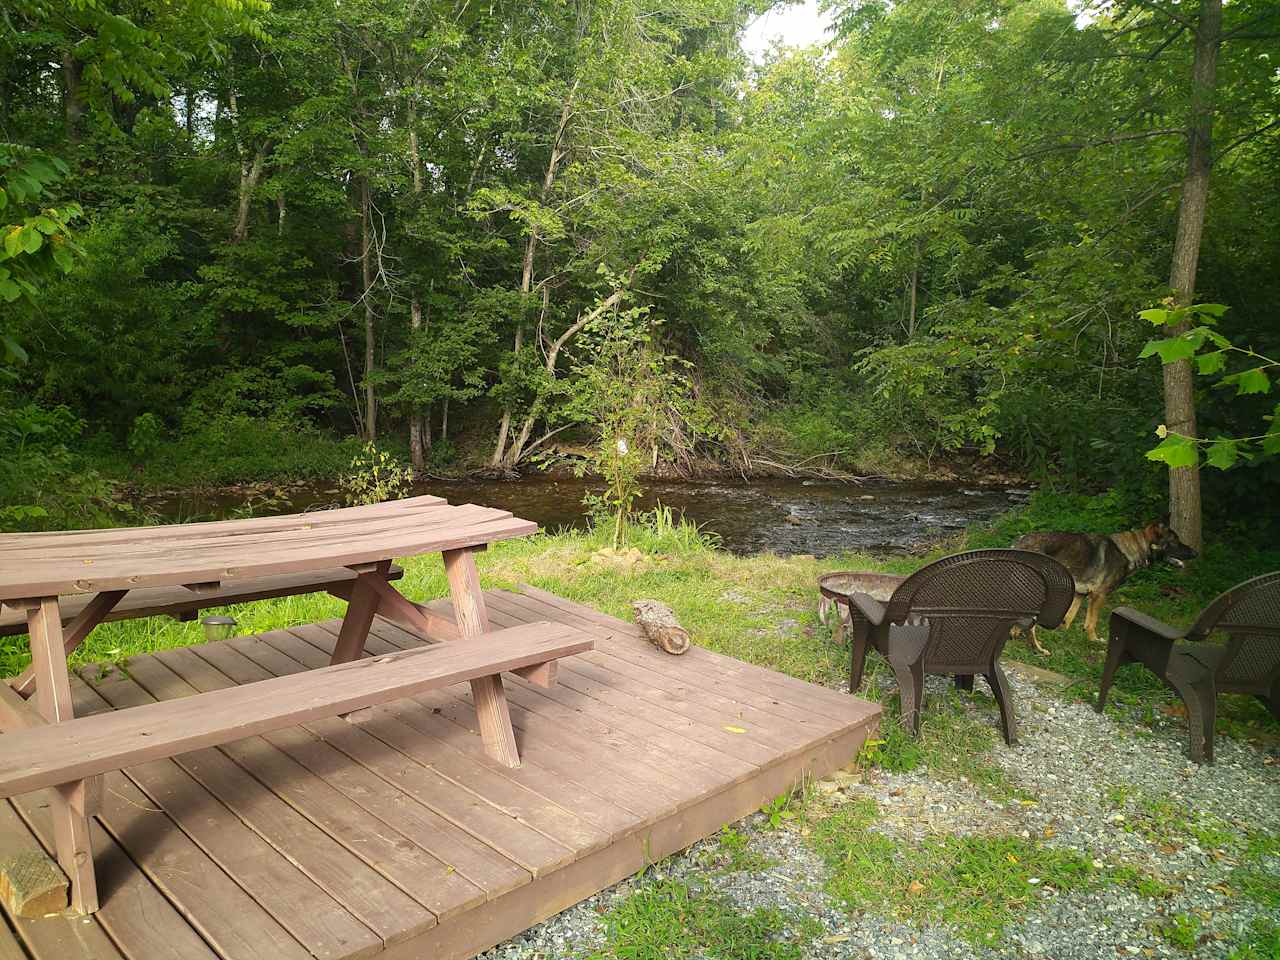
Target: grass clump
{"x":976,"y":884}
{"x":670,"y":920}
{"x":1262,"y":942}
{"x":734,"y":853}
{"x":1182,"y":931}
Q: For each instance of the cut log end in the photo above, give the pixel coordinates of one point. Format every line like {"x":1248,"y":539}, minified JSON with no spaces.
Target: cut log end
{"x":32,"y":885}
{"x":660,"y":626}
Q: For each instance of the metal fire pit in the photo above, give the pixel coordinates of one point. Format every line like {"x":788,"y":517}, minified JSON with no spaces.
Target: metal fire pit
{"x":836,"y":586}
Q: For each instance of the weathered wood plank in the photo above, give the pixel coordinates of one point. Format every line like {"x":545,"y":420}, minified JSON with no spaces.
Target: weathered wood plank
{"x":44,"y":756}
{"x":173,"y":601}
{"x":386,"y":722}
{"x":492,"y":715}
{"x":479,"y":863}
{"x":305,"y":820}
{"x":414,"y":870}
{"x":133,"y":911}
{"x":487,"y":821}
{"x":593,"y":793}
{"x":312,"y":915}
{"x":56,"y":938}
{"x":226,"y":916}
{"x":47,"y":577}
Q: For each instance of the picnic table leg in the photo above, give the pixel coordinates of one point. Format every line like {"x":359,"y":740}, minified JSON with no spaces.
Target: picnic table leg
{"x":73,"y":635}
{"x":490,"y":698}
{"x":361,"y":609}
{"x":71,"y":803}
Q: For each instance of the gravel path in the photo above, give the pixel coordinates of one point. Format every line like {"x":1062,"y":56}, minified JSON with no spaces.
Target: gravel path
{"x":1116,"y":792}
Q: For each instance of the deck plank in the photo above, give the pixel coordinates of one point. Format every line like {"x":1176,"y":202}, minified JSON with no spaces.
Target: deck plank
{"x":415,"y":871}
{"x":302,"y":907}
{"x":477,"y":862}
{"x":366,"y":894}
{"x":384,"y":722}
{"x":62,"y":937}
{"x":628,"y":759}
{"x":597,"y":795}
{"x":133,"y":911}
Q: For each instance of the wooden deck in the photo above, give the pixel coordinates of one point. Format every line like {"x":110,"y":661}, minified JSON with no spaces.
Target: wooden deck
{"x":390,"y":833}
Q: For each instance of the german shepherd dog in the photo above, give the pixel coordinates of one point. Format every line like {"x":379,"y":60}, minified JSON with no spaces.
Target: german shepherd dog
{"x":1101,"y":562}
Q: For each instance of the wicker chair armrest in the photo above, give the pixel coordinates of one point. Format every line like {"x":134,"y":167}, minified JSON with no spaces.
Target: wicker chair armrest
{"x":1158,"y":628}
{"x":866,"y":608}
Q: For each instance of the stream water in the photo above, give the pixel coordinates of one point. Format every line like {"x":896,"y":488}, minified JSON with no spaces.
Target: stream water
{"x":784,"y":516}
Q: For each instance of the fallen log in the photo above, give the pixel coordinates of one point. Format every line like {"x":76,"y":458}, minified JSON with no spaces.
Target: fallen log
{"x":660,"y":627}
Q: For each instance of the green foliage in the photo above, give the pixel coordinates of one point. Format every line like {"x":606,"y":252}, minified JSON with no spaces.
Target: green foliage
{"x":1261,"y":943}
{"x":375,"y":476}
{"x":667,"y":919}
{"x":1195,"y":338}
{"x":976,"y":884}
{"x":145,"y":435}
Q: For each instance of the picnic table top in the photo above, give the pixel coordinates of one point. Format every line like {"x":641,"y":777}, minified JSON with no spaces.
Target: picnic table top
{"x":123,"y":558}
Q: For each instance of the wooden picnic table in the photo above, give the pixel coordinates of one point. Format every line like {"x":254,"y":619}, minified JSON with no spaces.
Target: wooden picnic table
{"x":40,"y":572}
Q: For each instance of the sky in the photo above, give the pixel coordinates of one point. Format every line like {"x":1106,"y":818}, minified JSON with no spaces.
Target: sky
{"x":797,"y":25}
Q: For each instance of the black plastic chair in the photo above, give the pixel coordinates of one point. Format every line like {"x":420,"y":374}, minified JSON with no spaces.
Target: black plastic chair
{"x":954,"y":617}
{"x":1198,"y":668}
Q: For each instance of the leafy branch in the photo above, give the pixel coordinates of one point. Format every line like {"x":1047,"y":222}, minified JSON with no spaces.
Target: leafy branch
{"x":1211,"y":351}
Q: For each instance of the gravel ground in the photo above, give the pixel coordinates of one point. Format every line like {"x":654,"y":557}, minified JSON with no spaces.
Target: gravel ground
{"x":1117,"y":792}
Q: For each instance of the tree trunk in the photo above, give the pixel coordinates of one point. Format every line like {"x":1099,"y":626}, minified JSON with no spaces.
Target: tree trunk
{"x":553,"y":352}
{"x":419,"y":432}
{"x":444,"y":418}
{"x":500,"y":453}
{"x":72,"y":96}
{"x":1179,"y":380}
{"x":189,"y":112}
{"x":281,"y":210}
{"x":250,"y":174}
{"x":370,"y":332}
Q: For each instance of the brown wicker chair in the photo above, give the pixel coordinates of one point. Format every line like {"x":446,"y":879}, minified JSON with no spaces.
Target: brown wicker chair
{"x":1197,"y":668}
{"x":954,"y":617}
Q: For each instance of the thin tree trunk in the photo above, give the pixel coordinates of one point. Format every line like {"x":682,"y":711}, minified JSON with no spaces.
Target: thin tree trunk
{"x":189,"y":112}
{"x":500,"y":453}
{"x":419,"y":432}
{"x":444,"y":418}
{"x":370,"y":332}
{"x":1179,"y":381}
{"x":553,"y":352}
{"x":72,"y":96}
{"x":250,"y":174}
{"x":281,"y":211}
{"x":915,"y":283}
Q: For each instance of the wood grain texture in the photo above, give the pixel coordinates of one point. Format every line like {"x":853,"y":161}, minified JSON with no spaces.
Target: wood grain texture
{"x":181,"y":603}
{"x":492,"y":714}
{"x":306,"y":840}
{"x":44,"y":756}
{"x":86,"y":562}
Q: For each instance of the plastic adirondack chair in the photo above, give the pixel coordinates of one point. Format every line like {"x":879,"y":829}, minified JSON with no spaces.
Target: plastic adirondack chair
{"x":1198,"y":668}
{"x":954,"y":617}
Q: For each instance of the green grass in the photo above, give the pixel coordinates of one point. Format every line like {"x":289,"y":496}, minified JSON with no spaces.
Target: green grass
{"x":670,"y":920}
{"x":1261,"y":943}
{"x":1181,"y":930}
{"x":734,"y":853}
{"x":976,"y":884}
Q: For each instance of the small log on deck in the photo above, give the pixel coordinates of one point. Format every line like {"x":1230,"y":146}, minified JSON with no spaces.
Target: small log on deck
{"x":31,"y":884}
{"x":659,"y":625}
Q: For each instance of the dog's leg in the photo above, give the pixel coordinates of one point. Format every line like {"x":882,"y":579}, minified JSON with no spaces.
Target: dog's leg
{"x":1070,"y":618}
{"x":1035,"y":642}
{"x":1096,"y":601}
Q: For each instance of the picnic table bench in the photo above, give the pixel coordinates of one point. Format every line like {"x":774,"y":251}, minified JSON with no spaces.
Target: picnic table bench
{"x":58,"y":586}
